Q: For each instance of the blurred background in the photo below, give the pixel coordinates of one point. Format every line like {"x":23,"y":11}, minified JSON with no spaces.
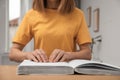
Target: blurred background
{"x":102,"y":16}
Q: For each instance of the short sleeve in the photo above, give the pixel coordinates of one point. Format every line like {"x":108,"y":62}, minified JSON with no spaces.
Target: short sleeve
{"x":83,"y":35}
{"x":24,"y":32}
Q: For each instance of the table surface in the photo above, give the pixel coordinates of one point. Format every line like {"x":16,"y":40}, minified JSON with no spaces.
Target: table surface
{"x":9,"y":73}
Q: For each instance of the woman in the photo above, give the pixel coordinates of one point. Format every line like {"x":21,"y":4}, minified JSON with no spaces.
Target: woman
{"x":56,"y":26}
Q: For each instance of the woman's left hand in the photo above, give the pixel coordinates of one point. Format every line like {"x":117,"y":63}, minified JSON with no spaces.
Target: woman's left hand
{"x":60,"y":56}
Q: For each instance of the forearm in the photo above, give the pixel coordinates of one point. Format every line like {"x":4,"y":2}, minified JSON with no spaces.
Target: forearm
{"x":17,"y":55}
{"x":82,"y":54}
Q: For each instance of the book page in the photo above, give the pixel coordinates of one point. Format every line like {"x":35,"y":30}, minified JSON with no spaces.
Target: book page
{"x":76,"y":63}
{"x":30,"y":67}
{"x":31,"y":63}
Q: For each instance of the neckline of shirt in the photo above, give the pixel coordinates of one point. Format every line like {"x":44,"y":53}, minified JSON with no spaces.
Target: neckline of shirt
{"x":51,"y":10}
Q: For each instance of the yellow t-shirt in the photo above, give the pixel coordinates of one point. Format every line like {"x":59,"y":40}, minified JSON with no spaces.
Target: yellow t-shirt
{"x":53,"y":30}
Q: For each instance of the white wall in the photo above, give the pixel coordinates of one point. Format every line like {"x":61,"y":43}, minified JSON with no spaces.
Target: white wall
{"x":109,"y":49}
{"x":3,"y":26}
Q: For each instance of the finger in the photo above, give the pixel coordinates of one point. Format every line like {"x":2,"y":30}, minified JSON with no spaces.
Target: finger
{"x":59,"y":56}
{"x":62,"y":59}
{"x":54,"y":55}
{"x":43,"y":56}
{"x":37,"y":56}
{"x":34,"y":59}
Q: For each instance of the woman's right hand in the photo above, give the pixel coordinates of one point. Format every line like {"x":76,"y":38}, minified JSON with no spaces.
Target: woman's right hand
{"x":37,"y":56}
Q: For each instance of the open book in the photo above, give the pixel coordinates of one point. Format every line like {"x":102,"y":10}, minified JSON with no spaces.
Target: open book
{"x":72,"y":67}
